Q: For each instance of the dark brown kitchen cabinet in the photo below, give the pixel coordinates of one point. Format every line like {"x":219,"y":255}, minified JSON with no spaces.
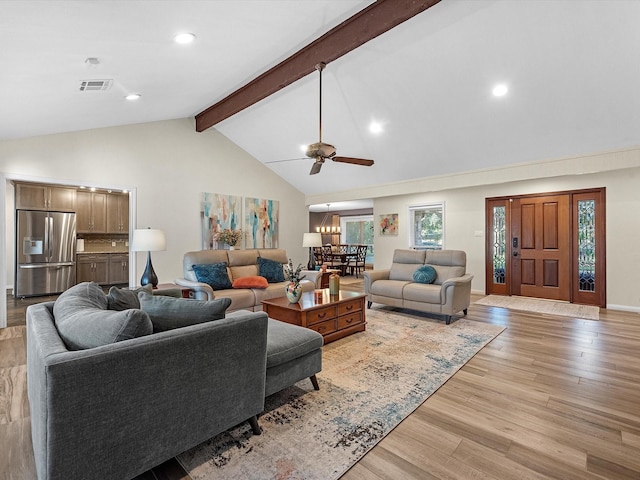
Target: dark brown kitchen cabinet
{"x":117,"y":213}
{"x":118,"y":269}
{"x":33,"y":196}
{"x":93,"y":268}
{"x":91,"y":212}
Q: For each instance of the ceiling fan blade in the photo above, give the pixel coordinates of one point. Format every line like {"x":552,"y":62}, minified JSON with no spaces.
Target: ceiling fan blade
{"x":315,"y":168}
{"x":355,"y":161}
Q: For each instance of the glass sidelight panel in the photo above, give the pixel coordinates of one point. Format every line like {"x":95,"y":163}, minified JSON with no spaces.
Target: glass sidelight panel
{"x":587,"y":245}
{"x":499,"y":244}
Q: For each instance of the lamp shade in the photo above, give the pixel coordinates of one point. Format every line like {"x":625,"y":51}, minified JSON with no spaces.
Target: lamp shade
{"x":311,"y":240}
{"x":148,"y":240}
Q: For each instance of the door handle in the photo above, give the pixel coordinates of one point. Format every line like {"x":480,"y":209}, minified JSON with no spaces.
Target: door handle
{"x":515,"y":254}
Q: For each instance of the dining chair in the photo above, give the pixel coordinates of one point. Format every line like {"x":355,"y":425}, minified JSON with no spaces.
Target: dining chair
{"x":336,"y":259}
{"x":360,"y":259}
{"x":318,"y":255}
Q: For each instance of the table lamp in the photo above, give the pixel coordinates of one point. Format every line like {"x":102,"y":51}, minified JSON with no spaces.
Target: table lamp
{"x":148,"y":240}
{"x":311,"y":240}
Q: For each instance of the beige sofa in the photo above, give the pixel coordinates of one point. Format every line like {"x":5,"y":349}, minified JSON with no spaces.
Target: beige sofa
{"x":448,"y":294}
{"x":240,"y":263}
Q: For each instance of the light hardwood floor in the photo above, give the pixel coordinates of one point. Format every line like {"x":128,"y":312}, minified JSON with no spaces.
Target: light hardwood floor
{"x":550,"y":398}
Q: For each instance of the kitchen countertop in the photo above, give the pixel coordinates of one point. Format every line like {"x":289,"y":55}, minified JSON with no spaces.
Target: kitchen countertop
{"x":103,"y":252}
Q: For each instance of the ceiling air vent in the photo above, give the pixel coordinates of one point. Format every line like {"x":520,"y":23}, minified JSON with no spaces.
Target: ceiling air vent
{"x":95,"y":85}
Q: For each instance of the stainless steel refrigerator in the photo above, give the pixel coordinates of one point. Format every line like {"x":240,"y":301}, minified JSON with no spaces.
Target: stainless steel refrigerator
{"x":45,"y":252}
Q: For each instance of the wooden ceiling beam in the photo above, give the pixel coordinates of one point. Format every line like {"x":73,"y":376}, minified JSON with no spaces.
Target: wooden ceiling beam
{"x":365,"y":25}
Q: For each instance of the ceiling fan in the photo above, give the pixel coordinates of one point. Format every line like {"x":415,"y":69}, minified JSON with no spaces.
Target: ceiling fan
{"x":321,"y":151}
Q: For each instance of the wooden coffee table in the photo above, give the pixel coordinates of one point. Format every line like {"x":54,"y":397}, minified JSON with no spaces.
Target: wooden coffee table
{"x":333,"y":316}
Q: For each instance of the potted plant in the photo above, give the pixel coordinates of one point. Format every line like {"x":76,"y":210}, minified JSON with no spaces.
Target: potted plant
{"x":293,"y":290}
{"x":230,"y":237}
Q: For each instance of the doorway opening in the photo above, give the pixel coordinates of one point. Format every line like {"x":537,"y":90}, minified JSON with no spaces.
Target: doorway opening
{"x":548,"y":245}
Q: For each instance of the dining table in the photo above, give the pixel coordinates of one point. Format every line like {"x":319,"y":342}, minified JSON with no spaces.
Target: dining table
{"x":344,"y":259}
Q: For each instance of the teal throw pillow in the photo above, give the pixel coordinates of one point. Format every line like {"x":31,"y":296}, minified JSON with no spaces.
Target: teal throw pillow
{"x":167,"y":313}
{"x":425,"y":274}
{"x":213,"y":274}
{"x":271,"y":270}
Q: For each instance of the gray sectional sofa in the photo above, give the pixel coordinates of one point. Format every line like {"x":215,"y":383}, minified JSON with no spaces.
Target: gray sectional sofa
{"x":113,"y":405}
{"x":449,"y":293}
{"x":240,"y":264}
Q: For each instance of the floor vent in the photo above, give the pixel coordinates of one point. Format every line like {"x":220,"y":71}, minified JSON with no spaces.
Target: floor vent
{"x":94,"y":85}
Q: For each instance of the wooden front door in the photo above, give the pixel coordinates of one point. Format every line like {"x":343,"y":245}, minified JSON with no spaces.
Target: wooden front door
{"x":540,"y":241}
{"x":549,"y":245}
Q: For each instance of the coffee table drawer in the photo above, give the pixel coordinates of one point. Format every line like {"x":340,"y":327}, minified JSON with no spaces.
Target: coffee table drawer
{"x":349,"y":307}
{"x":325,"y":327}
{"x":345,"y":321}
{"x":320,"y":315}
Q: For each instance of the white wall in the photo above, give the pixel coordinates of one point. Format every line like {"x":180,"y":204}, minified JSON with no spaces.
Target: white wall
{"x":464,"y":214}
{"x":168,"y":164}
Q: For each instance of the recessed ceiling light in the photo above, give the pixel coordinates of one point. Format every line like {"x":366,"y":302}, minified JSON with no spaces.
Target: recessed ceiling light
{"x":303,"y":148}
{"x":133,"y":96}
{"x":500,"y":90}
{"x":184,"y":38}
{"x":375,"y":127}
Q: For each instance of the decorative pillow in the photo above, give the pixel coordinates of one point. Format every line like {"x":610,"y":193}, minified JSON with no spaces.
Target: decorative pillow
{"x":83,"y":321}
{"x":168,"y":313}
{"x":214,"y":274}
{"x":252,"y":281}
{"x":124,"y":298}
{"x":425,"y":274}
{"x":271,"y":270}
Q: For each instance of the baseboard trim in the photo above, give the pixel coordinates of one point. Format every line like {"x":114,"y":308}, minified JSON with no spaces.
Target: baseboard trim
{"x":623,"y":308}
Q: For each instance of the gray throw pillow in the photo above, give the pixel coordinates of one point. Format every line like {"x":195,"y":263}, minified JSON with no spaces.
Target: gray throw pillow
{"x":83,"y":321}
{"x":168,"y":312}
{"x":124,"y":298}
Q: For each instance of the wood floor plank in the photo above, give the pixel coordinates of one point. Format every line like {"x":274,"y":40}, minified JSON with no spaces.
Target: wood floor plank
{"x":16,"y":452}
{"x":389,"y":466}
{"x":610,"y":469}
{"x":499,"y":426}
{"x":494,"y":463}
{"x":12,"y":352}
{"x":546,"y":465}
{"x":14,"y":404}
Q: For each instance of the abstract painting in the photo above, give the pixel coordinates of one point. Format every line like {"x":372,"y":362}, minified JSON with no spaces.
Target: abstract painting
{"x":218,"y":212}
{"x":261,"y":221}
{"x":389,"y":224}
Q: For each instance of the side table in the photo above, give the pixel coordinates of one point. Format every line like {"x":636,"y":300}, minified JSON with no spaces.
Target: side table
{"x":169,"y":288}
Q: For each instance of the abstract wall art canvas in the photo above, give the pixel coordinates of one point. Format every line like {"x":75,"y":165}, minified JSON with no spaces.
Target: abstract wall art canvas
{"x":389,"y":224}
{"x":218,"y":212}
{"x":261,"y":222}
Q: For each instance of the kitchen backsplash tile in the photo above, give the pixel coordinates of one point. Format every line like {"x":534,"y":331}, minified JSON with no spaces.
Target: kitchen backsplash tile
{"x":105,"y":243}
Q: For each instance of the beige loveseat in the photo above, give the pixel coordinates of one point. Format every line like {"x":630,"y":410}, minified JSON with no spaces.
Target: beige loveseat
{"x":448,"y":294}
{"x":240,"y":263}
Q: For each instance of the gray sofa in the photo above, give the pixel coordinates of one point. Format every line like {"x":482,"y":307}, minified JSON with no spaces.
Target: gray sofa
{"x":114,"y":411}
{"x":448,"y":294}
{"x":240,"y":263}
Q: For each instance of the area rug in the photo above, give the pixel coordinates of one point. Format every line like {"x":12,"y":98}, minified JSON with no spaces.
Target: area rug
{"x":537,"y":305}
{"x":369,"y":382}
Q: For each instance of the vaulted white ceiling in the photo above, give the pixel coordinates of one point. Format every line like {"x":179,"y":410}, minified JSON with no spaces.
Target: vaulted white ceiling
{"x":572,"y":68}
